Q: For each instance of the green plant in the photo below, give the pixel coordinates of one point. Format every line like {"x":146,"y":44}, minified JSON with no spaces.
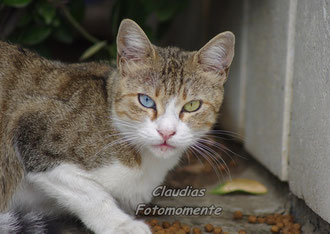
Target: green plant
{"x":32,"y":22}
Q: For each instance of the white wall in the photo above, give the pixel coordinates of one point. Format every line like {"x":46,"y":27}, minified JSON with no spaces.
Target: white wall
{"x":309,"y":154}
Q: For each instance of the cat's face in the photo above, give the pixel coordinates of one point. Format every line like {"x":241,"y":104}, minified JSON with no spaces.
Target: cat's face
{"x":166,"y":99}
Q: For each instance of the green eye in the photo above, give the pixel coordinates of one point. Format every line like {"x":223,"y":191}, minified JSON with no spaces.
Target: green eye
{"x":192,"y":106}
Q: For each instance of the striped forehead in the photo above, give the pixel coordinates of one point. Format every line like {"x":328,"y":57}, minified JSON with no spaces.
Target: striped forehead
{"x":171,"y":78}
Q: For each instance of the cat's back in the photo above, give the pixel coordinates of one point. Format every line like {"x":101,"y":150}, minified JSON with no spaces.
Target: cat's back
{"x":25,"y":75}
{"x":20,"y":72}
{"x":15,"y":59}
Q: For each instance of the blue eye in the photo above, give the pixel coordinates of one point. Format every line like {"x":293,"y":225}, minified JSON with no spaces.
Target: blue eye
{"x":146,"y":101}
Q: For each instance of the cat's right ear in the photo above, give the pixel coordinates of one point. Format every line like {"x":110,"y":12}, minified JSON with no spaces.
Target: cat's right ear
{"x":133,"y":44}
{"x":217,"y":55}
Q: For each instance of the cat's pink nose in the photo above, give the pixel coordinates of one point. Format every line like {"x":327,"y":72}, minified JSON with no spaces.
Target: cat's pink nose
{"x":166,"y":134}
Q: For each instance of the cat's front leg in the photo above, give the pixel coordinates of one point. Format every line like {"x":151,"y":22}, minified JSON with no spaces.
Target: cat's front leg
{"x":78,"y":193}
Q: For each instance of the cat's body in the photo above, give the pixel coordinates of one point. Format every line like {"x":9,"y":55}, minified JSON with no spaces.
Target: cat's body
{"x":74,"y":138}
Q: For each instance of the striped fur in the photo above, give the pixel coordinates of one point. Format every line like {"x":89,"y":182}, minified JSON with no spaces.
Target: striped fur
{"x":20,"y":222}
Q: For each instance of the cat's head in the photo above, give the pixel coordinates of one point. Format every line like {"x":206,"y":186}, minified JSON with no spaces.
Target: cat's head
{"x":166,"y":98}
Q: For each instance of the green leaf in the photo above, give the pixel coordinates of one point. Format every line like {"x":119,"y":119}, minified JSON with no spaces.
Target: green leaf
{"x":35,"y":35}
{"x":47,"y":11}
{"x":16,"y":3}
{"x":93,"y":50}
{"x":56,"y":22}
{"x":240,"y":185}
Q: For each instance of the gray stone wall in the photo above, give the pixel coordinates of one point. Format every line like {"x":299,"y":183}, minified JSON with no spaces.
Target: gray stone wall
{"x":309,"y":154}
{"x":267,"y":43}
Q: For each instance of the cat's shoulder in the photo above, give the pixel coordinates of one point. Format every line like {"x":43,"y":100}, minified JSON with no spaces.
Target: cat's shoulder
{"x":9,"y":51}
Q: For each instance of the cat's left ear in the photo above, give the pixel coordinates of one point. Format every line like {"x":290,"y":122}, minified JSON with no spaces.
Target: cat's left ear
{"x":217,"y":55}
{"x":133,"y":44}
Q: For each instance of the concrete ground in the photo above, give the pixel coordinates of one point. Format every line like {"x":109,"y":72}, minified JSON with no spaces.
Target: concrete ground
{"x":277,"y":200}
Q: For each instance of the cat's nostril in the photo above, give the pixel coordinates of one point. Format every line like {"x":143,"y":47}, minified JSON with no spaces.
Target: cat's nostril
{"x":166,"y":134}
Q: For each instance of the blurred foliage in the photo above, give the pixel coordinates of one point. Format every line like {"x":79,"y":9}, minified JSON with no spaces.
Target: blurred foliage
{"x":32,"y":23}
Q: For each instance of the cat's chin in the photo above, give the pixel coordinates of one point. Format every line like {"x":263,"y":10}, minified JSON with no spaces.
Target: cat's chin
{"x":165,"y":152}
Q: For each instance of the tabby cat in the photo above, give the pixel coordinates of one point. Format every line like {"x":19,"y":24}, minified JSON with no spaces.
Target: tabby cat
{"x":94,"y":141}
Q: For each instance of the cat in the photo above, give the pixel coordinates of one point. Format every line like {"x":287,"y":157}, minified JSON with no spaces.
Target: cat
{"x":94,"y":141}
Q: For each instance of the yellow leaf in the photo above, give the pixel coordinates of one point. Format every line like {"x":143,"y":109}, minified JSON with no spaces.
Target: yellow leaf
{"x":92,"y":50}
{"x":240,"y":185}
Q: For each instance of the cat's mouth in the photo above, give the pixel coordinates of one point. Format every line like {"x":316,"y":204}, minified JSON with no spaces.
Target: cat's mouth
{"x":164,"y":146}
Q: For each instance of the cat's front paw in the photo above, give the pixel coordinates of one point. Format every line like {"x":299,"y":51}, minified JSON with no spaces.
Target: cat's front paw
{"x":133,"y":227}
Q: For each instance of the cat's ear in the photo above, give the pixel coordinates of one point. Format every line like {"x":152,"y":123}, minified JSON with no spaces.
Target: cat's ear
{"x":217,"y":55}
{"x":132,"y":43}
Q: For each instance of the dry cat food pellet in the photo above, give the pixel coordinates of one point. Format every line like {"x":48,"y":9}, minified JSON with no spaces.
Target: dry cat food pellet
{"x":238,"y":214}
{"x":156,"y":228}
{"x":208,"y":227}
{"x":287,"y":230}
{"x":287,"y":223}
{"x":176,"y":222}
{"x":153,"y":222}
{"x":296,"y":226}
{"x":270,"y":221}
{"x":280,"y":225}
{"x":161,"y":232}
{"x":270,"y":217}
{"x":289,"y":217}
{"x":261,"y":219}
{"x":252,"y":219}
{"x":278,"y":219}
{"x":275,"y":229}
{"x":217,"y":230}
{"x":166,"y":224}
{"x":172,"y":229}
{"x":186,"y":228}
{"x":197,"y":230}
{"x":181,"y":231}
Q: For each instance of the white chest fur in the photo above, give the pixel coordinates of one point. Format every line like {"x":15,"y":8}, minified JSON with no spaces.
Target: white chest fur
{"x":131,"y":186}
{"x":71,"y":185}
